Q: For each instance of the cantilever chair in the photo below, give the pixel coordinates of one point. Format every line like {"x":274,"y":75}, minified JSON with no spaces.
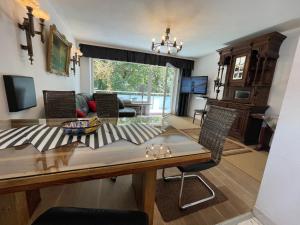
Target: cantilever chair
{"x":59,"y":104}
{"x":83,"y":216}
{"x":212,"y":136}
{"x":107,"y":105}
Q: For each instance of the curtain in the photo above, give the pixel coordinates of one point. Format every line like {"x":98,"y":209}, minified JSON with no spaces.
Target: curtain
{"x":185,"y":66}
{"x":183,"y":97}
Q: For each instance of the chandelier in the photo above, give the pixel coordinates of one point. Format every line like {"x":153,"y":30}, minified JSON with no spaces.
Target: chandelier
{"x":166,"y":45}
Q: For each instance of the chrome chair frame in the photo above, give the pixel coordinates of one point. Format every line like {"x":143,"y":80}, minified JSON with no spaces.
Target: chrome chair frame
{"x":215,"y":128}
{"x":182,"y":177}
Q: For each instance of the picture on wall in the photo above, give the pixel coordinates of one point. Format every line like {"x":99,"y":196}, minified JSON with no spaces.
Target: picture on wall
{"x":58,"y":54}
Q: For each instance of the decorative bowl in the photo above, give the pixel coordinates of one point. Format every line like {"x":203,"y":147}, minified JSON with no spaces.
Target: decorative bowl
{"x":77,"y":127}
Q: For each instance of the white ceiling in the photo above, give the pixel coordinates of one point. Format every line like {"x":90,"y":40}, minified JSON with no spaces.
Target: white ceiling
{"x":203,"y":25}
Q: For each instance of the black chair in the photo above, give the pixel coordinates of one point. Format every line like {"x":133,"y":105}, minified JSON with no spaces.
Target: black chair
{"x":83,"y":216}
{"x":59,"y":104}
{"x":107,"y":105}
{"x":201,"y":112}
{"x":212,"y":136}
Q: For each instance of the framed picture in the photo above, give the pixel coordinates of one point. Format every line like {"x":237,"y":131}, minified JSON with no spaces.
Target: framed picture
{"x":58,"y":54}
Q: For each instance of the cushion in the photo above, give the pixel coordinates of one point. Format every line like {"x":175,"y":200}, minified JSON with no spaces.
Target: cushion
{"x":92,"y":106}
{"x":80,"y":114}
{"x":84,"y":216}
{"x":121,"y":104}
{"x":87,"y":96}
{"x":126,"y":101}
{"x":82,"y":104}
{"x":197,"y":167}
{"x":127,"y":112}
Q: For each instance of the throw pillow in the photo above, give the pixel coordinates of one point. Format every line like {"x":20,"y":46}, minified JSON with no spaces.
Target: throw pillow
{"x":80,"y":114}
{"x":92,"y":106}
{"x":121,"y":104}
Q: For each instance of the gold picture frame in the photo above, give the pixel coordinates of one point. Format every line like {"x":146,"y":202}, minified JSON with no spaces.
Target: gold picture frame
{"x":58,"y":53}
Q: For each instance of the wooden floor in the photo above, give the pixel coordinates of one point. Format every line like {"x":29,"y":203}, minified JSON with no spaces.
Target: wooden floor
{"x":240,"y":189}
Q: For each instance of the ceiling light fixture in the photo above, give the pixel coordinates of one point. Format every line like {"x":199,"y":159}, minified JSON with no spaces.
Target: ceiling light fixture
{"x":166,"y":45}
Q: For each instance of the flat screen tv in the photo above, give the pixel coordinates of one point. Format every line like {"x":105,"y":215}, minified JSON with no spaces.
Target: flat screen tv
{"x":194,"y":85}
{"x":20,"y":92}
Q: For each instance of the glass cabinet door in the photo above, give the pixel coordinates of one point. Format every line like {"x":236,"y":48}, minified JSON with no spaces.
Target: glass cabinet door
{"x":239,"y":67}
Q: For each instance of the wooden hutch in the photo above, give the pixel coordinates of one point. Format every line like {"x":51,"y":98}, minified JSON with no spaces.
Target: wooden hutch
{"x":250,"y":67}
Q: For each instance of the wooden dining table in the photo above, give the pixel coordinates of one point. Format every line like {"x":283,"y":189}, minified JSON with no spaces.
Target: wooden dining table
{"x":24,"y":170}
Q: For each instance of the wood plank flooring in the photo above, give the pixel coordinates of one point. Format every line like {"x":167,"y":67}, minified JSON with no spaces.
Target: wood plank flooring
{"x":240,"y":189}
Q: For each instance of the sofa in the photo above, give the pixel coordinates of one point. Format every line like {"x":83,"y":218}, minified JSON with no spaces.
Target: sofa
{"x":85,"y":107}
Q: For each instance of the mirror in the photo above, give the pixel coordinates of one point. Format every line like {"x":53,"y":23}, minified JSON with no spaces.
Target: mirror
{"x":239,"y":68}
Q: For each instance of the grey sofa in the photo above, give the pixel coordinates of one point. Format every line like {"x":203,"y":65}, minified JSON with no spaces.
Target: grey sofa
{"x":82,"y":104}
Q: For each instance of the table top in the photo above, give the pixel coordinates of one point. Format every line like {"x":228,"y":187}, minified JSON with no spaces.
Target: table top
{"x":24,"y":167}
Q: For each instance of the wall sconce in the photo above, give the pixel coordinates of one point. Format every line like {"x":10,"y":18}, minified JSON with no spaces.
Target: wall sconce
{"x":33,"y":10}
{"x":43,"y":16}
{"x":218,"y":81}
{"x":75,"y":59}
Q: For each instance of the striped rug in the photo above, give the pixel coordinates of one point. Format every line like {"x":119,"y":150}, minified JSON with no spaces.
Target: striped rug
{"x":45,"y":138}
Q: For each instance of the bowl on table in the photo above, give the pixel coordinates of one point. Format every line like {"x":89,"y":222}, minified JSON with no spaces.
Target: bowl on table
{"x":79,"y":127}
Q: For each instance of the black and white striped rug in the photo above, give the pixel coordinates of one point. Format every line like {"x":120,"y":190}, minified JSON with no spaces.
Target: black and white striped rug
{"x":45,"y":138}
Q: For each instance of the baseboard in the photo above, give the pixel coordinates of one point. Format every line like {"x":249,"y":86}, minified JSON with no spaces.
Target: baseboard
{"x":236,"y":220}
{"x":262,"y":217}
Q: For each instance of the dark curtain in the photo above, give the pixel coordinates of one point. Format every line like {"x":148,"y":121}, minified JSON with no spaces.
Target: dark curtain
{"x":183,"y":97}
{"x":185,"y":66}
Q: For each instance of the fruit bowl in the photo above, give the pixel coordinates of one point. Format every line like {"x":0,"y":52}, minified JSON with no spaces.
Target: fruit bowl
{"x":77,"y":127}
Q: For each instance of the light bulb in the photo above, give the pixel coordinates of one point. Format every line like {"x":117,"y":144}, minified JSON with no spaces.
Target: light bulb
{"x":39,"y":13}
{"x":30,"y":3}
{"x":79,"y":53}
{"x":175,"y":39}
{"x":153,"y":39}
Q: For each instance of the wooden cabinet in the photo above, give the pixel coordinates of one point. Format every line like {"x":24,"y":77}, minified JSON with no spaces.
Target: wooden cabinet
{"x":245,"y":128}
{"x":238,"y":128}
{"x":249,"y":75}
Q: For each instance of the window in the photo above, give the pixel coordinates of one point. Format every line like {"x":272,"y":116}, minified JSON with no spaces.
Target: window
{"x":135,"y":82}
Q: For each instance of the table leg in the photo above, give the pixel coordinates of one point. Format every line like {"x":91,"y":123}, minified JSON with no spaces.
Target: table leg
{"x":144,"y":185}
{"x":16,"y":208}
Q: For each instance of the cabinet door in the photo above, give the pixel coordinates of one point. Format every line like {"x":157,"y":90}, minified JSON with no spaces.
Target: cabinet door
{"x":239,"y":70}
{"x":239,"y":126}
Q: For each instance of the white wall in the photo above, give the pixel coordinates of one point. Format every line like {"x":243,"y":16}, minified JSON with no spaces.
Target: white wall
{"x":14,"y":61}
{"x":279,"y":196}
{"x":207,"y":66}
{"x":86,"y":78}
{"x":282,"y":72}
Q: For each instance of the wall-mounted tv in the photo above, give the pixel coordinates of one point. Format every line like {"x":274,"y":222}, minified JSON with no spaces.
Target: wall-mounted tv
{"x":20,"y":92}
{"x":194,"y":85}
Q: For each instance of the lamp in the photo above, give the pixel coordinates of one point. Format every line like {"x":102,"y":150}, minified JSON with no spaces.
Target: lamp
{"x":42,"y":15}
{"x":218,"y":81}
{"x":166,"y":45}
{"x":75,"y":59}
{"x":30,"y":5}
{"x":33,"y":10}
